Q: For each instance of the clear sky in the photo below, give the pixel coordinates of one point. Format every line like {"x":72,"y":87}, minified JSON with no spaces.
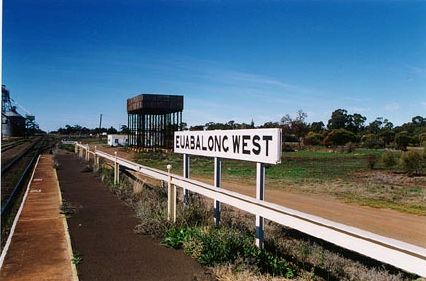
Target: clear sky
{"x":68,"y":61}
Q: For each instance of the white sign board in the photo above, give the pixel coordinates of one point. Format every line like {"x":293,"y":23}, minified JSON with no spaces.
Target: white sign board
{"x":257,"y":145}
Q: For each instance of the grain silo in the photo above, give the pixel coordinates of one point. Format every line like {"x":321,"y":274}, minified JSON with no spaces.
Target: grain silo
{"x":13,"y":123}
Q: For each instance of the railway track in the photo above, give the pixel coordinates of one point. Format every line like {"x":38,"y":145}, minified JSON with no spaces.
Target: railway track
{"x":11,"y":145}
{"x":14,"y":178}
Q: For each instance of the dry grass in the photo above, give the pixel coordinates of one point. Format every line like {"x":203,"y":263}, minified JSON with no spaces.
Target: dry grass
{"x":229,"y":272}
{"x":377,"y":189}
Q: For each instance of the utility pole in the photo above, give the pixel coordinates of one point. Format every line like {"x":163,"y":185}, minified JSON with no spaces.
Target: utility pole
{"x":100,"y":126}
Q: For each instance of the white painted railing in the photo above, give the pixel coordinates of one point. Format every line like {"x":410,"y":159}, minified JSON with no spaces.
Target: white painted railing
{"x":394,"y":252}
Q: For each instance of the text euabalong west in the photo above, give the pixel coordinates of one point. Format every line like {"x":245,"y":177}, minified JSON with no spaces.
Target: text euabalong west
{"x":217,"y":143}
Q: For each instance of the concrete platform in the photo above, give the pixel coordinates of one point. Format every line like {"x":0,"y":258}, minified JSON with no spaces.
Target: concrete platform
{"x":40,"y":247}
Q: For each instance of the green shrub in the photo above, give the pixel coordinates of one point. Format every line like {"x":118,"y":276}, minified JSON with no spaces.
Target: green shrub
{"x":371,"y":161}
{"x":412,"y":162}
{"x":339,"y":137}
{"x":372,"y":141}
{"x":388,"y":159}
{"x":422,"y":139}
{"x":313,"y":139}
{"x":175,"y":237}
{"x":212,"y":246}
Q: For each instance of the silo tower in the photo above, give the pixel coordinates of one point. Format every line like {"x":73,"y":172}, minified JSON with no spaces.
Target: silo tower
{"x":13,"y":123}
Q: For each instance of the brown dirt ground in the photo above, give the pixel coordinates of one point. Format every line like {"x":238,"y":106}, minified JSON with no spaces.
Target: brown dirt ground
{"x":102,"y":233}
{"x":405,"y":227}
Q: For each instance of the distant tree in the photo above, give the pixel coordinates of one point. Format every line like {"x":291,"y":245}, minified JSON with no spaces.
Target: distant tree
{"x":402,"y":140}
{"x":231,"y":124}
{"x":112,"y":130}
{"x":339,"y":119}
{"x":270,"y":125}
{"x":317,"y":127}
{"x":418,"y":120}
{"x":296,"y":126}
{"x":124,"y":130}
{"x":197,"y":128}
{"x":183,"y":126}
{"x":375,"y":126}
{"x":356,"y":123}
{"x":339,"y":137}
{"x":387,"y":135}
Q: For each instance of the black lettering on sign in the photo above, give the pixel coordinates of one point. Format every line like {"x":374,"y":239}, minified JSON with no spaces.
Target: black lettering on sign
{"x":202,"y":143}
{"x":182,"y":141}
{"x":236,"y":143}
{"x":187,"y":142}
{"x":245,"y":139}
{"x":267,"y":139}
{"x":217,"y":146}
{"x":177,"y":141}
{"x":225,"y":147}
{"x":256,"y":148}
{"x":198,"y":146}
{"x":192,"y":142}
{"x":210,"y":143}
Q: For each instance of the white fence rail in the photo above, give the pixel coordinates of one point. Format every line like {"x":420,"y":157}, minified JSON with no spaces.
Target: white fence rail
{"x":394,"y":252}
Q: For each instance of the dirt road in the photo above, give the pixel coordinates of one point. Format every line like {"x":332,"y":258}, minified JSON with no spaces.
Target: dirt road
{"x":405,"y":227}
{"x":102,"y":233}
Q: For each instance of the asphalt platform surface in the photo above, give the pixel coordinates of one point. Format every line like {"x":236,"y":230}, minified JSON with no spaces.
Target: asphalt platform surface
{"x":102,"y":234}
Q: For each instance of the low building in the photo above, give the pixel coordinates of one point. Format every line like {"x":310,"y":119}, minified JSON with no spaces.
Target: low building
{"x":116,"y":140}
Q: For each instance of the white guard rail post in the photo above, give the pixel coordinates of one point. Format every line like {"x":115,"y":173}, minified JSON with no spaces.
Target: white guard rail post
{"x":403,"y":255}
{"x":116,"y":169}
{"x":171,"y":197}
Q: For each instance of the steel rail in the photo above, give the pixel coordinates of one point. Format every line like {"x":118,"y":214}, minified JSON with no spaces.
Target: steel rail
{"x":11,"y":145}
{"x":6,"y":167}
{"x":8,"y":204}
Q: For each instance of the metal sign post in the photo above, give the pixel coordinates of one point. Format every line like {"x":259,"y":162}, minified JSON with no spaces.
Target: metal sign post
{"x":186,"y":175}
{"x":260,"y":195}
{"x":217,"y":181}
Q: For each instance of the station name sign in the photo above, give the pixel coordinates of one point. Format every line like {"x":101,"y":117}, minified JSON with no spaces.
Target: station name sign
{"x":257,"y":145}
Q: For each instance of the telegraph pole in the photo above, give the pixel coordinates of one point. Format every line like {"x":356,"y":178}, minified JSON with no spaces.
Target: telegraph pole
{"x":100,"y":126}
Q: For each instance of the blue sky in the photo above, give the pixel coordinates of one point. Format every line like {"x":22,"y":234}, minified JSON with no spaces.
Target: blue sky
{"x":69,"y":61}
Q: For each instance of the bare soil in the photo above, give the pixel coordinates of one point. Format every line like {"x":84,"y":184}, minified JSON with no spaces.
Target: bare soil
{"x":102,"y":233}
